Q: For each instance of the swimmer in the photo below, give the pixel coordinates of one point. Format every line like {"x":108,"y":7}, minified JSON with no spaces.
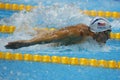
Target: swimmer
{"x":99,"y":29}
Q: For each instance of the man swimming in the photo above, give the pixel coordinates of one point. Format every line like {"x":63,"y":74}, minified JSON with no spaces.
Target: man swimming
{"x":99,"y":29}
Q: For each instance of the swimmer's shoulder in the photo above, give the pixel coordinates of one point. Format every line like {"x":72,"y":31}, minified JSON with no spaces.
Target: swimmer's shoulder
{"x":82,"y":25}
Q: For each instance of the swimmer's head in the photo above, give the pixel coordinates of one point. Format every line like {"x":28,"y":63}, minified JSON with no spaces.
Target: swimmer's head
{"x":99,"y":24}
{"x":102,"y":28}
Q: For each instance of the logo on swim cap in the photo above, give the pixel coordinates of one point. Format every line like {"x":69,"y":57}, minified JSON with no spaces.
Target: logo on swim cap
{"x":99,"y":24}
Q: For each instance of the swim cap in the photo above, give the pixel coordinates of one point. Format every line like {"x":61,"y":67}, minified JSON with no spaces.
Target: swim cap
{"x":99,"y":24}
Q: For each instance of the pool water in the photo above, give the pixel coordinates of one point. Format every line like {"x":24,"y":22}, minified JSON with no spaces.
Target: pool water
{"x":58,"y":14}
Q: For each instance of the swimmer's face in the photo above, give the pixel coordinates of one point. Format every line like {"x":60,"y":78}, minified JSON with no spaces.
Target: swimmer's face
{"x":102,"y":37}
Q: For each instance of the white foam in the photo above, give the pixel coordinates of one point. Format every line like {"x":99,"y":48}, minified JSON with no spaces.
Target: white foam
{"x":115,"y":25}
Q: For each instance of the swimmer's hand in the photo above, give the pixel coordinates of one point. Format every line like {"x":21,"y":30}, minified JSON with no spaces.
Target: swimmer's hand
{"x":16,"y":45}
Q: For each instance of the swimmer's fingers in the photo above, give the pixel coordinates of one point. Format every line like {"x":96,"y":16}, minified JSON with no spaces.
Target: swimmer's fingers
{"x":15,"y":45}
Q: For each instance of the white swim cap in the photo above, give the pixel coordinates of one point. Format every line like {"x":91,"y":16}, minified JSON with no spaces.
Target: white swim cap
{"x":99,"y":24}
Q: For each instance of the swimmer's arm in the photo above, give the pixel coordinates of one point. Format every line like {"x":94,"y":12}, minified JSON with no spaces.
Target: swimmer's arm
{"x":47,"y":38}
{"x":69,"y":33}
{"x":53,"y":37}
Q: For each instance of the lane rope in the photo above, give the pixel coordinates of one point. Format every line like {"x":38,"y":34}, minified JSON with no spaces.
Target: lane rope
{"x":20,"y":7}
{"x":11,"y":29}
{"x":60,"y":60}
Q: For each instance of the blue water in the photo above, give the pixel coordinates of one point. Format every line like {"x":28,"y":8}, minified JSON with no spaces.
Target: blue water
{"x":20,"y":70}
{"x":41,"y":71}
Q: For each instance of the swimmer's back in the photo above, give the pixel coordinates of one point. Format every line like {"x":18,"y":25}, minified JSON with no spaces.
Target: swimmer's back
{"x":77,"y":30}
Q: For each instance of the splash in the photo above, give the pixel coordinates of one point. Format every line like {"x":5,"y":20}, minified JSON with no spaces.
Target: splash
{"x":115,"y":25}
{"x":57,"y":16}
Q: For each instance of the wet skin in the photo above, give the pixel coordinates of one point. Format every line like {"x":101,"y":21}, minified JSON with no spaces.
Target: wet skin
{"x":102,"y":37}
{"x":66,"y":36}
